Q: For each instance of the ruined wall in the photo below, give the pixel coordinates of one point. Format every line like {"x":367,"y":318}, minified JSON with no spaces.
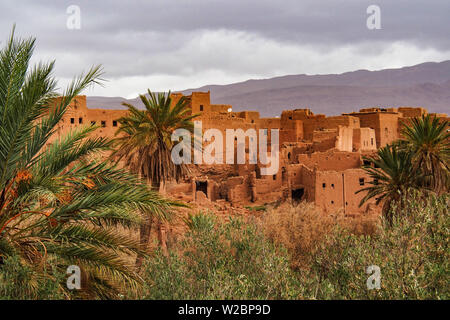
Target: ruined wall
{"x":344,"y":139}
{"x":250,"y":116}
{"x":385,"y":125}
{"x":308,"y":179}
{"x":364,"y":139}
{"x":291,"y":131}
{"x":298,"y":114}
{"x":320,"y":156}
{"x":320,"y":123}
{"x":331,"y":160}
{"x":412,"y":112}
{"x":220,"y":107}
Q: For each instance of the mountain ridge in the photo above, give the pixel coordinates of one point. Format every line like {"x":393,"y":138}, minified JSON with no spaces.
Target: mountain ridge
{"x":426,"y":84}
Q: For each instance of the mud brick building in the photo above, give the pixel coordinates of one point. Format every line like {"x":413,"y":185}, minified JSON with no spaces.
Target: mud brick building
{"x":320,"y":157}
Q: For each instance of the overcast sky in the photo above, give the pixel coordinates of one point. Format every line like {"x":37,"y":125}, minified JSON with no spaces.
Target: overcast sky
{"x":180,"y":44}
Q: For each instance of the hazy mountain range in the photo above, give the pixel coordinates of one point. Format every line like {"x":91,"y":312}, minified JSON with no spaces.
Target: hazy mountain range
{"x":426,"y":85}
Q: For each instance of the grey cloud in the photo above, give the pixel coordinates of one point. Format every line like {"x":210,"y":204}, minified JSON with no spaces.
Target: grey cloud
{"x":138,"y":38}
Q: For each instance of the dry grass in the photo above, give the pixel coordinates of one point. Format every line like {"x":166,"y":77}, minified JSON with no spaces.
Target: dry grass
{"x":302,"y":228}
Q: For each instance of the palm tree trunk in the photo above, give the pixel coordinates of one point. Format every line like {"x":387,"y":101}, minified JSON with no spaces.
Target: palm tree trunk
{"x":162,"y":237}
{"x":144,"y":239}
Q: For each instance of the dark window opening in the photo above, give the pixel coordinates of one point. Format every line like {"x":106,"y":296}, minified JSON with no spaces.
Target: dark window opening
{"x":80,"y":120}
{"x":258,"y":173}
{"x":202,"y":186}
{"x":274,"y":177}
{"x":361,"y":181}
{"x":114,"y":123}
{"x":72,"y":120}
{"x":92,"y":123}
{"x":332,"y":185}
{"x":332,"y":202}
{"x":289,"y":155}
{"x":371,"y":141}
{"x":201,"y":107}
{"x":290,"y":118}
{"x":103,"y":124}
{"x":253,"y":121}
{"x":297,"y":194}
{"x":366,"y":162}
{"x":324,"y":185}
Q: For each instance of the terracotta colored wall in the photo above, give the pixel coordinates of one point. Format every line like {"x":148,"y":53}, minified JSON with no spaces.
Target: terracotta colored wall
{"x":200,"y":102}
{"x":330,"y":160}
{"x":385,"y":125}
{"x":329,"y":191}
{"x":79,"y":115}
{"x":352,"y":185}
{"x":220,"y":107}
{"x":337,"y":191}
{"x":412,"y":112}
{"x":291,"y":131}
{"x":318,"y":123}
{"x":316,"y":149}
{"x":364,"y":139}
{"x":344,"y":140}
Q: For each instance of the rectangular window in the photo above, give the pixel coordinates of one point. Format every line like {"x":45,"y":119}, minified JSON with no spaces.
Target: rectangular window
{"x":114,"y":123}
{"x":324,"y":185}
{"x":201,"y":107}
{"x":371,"y":141}
{"x":92,"y":123}
{"x":80,"y":120}
{"x":72,"y":120}
{"x":361,"y":181}
{"x":103,"y":124}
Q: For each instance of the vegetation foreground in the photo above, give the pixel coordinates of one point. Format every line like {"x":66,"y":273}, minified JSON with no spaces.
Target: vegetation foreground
{"x":254,"y":260}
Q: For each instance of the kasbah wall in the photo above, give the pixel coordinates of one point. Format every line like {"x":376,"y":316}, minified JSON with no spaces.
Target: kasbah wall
{"x":320,"y":157}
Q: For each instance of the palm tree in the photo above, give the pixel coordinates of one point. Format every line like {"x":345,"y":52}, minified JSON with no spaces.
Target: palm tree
{"x":59,"y":203}
{"x":428,"y":139}
{"x":392,"y":178}
{"x":144,"y":143}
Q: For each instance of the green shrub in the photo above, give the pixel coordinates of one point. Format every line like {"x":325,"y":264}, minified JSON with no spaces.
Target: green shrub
{"x":412,"y":253}
{"x":20,"y":282}
{"x":220,"y":261}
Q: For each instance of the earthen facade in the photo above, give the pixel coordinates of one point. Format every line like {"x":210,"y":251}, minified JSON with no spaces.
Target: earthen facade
{"x":320,"y":157}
